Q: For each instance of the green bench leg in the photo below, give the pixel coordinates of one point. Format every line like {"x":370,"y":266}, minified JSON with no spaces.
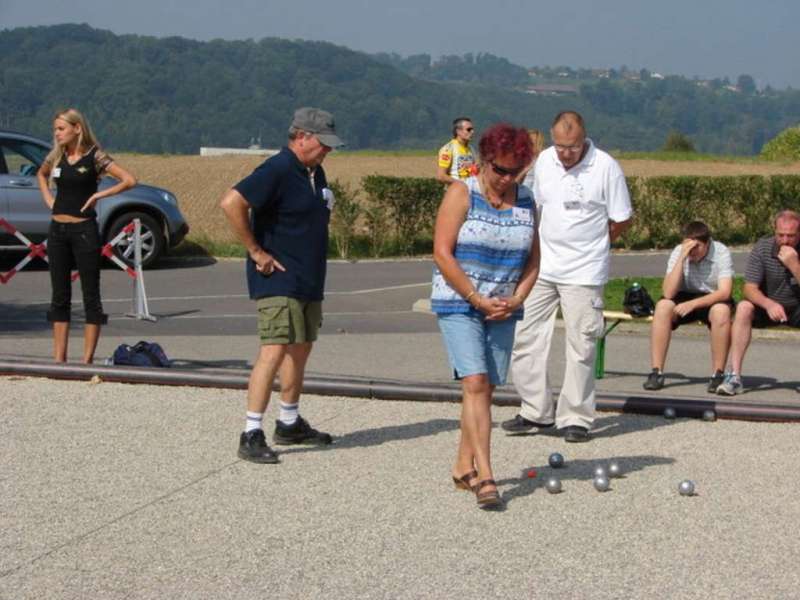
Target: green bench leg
{"x":600,"y":354}
{"x":600,"y":358}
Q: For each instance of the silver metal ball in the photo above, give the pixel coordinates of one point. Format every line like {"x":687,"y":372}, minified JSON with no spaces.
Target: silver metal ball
{"x":556,"y":460}
{"x":669,"y":413}
{"x":553,"y":485}
{"x":601,"y":484}
{"x":686,"y":488}
{"x":709,"y":415}
{"x":600,"y":471}
{"x":614,"y":470}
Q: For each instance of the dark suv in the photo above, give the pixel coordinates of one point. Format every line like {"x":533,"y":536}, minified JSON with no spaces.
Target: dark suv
{"x":21,"y":204}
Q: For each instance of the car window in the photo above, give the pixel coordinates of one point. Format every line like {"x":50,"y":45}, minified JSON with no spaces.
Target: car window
{"x":21,"y":158}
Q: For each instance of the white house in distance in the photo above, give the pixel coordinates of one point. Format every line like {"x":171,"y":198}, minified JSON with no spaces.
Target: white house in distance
{"x":252,"y":150}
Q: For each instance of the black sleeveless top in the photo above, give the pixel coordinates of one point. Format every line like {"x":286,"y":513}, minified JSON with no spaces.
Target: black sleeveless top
{"x":77,"y":182}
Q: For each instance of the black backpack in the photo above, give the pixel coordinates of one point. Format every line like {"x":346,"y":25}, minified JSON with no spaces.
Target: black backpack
{"x":637,"y":301}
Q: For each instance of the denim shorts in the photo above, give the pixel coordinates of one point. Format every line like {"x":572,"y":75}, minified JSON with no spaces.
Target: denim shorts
{"x":476,"y":346}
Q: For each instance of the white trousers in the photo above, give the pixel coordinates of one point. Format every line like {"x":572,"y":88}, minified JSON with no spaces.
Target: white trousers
{"x":582,"y":311}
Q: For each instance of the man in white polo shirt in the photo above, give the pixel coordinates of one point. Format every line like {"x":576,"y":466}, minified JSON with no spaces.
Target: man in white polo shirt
{"x":585,"y":205}
{"x":697,"y":287}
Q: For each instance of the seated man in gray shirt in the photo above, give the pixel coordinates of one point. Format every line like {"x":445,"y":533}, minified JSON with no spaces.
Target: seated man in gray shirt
{"x":697,"y":287}
{"x":771,"y":292}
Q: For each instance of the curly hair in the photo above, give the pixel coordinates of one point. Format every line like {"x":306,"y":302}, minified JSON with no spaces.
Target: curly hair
{"x":504,"y":138}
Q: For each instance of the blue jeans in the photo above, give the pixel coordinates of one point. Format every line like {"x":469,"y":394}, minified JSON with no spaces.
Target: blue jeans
{"x":75,"y":245}
{"x":476,"y":346}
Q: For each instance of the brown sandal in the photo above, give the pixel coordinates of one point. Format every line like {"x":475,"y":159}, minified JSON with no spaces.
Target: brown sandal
{"x":487,"y":500}
{"x":462,"y":483}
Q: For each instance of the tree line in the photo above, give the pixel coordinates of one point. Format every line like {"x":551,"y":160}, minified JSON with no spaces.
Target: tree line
{"x":173,"y":95}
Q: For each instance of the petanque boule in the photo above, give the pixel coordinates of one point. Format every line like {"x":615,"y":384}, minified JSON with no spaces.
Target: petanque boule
{"x":614,"y":470}
{"x":601,"y":484}
{"x":553,"y":485}
{"x":600,"y":471}
{"x":709,"y":415}
{"x":556,"y":460}
{"x":669,"y":413}
{"x":686,"y":488}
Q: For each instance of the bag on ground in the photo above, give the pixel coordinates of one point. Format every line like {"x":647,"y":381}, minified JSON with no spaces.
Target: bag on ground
{"x":142,"y":354}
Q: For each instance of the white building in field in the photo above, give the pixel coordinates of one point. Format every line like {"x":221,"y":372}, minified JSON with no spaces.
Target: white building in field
{"x":257,"y":151}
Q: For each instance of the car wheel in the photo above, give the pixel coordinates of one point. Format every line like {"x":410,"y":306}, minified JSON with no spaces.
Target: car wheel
{"x":153,"y":241}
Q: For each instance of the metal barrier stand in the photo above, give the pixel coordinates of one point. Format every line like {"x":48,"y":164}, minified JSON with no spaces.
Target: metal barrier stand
{"x":139,"y":309}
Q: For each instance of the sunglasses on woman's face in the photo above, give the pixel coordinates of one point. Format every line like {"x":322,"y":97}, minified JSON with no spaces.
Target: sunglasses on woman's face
{"x":502,"y":171}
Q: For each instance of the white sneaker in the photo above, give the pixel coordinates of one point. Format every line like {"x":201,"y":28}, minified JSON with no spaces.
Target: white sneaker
{"x":731,"y":386}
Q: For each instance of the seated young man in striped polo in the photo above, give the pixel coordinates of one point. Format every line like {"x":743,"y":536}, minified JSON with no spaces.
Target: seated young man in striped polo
{"x":771,"y":292}
{"x":697,"y":287}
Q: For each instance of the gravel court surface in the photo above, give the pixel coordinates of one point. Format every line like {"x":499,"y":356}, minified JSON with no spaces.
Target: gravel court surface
{"x":121,"y":491}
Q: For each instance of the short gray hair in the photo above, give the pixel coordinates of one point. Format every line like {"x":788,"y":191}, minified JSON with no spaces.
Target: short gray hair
{"x":786,"y":215}
{"x":294,"y":132}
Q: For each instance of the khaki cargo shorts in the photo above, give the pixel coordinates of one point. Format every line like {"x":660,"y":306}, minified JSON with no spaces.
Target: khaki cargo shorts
{"x":283,"y":320}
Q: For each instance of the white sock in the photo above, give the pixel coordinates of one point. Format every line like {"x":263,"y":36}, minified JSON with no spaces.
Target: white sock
{"x":288,"y":413}
{"x":253,"y":421}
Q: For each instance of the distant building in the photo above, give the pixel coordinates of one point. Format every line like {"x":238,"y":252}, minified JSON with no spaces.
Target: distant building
{"x":210,"y":151}
{"x":552,"y":89}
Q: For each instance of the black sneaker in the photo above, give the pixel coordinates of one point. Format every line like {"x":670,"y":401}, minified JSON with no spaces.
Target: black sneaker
{"x":655,"y":381}
{"x":716,"y":379}
{"x":576,"y":433}
{"x":253,"y":447}
{"x":299,"y":433}
{"x":520,"y":424}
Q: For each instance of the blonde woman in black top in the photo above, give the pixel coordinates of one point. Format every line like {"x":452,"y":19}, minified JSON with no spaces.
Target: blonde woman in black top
{"x":75,"y":166}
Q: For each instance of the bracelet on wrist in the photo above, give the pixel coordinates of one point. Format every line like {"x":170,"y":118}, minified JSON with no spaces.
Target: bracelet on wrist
{"x":470,"y":295}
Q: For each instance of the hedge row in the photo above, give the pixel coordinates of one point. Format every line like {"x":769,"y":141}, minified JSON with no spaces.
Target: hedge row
{"x":739,"y":209}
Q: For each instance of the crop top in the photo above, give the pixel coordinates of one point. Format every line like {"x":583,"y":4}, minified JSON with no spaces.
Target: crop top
{"x":75,"y":183}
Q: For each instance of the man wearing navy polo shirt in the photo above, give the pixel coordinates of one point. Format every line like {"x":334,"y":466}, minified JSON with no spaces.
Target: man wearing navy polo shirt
{"x":280,"y":212}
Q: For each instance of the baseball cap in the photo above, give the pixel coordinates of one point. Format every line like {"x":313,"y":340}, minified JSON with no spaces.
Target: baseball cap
{"x":318,"y":122}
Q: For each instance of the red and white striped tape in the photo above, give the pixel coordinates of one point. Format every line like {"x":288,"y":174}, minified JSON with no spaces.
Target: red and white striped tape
{"x":40,"y":251}
{"x":34,"y":251}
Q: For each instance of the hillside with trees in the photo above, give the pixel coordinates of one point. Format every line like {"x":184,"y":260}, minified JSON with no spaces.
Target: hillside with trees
{"x":173,"y":95}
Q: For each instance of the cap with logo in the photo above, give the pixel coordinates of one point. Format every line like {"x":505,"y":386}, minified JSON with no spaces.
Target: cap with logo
{"x":320,"y":123}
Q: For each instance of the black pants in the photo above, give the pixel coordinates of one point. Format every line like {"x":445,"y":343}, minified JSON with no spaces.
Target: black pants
{"x":75,"y":245}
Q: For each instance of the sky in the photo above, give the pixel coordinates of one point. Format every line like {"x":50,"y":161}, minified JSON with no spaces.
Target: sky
{"x":693,"y":38}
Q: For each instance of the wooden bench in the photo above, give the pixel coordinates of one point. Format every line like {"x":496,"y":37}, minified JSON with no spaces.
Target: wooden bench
{"x":615,"y":317}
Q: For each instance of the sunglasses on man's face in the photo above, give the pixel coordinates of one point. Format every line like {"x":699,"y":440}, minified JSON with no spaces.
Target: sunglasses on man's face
{"x":502,"y":171}
{"x":468,"y":129}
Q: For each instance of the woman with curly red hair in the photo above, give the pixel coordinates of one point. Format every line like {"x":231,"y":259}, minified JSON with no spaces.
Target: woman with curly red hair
{"x":486,"y":251}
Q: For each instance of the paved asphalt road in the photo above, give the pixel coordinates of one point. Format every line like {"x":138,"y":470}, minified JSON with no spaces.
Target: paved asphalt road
{"x":207,"y":297}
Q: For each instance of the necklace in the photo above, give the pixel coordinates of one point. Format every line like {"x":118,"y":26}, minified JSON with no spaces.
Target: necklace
{"x":487,"y":192}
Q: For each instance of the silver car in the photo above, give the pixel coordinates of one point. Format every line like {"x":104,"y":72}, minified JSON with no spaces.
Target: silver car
{"x":21,"y":204}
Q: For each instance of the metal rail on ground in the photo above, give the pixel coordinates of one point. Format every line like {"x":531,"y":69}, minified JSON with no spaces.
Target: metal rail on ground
{"x":394,"y":390}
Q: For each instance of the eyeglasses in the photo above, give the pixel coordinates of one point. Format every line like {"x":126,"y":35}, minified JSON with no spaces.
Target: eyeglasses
{"x":468,"y":129}
{"x":503,"y":172}
{"x":573,"y":148}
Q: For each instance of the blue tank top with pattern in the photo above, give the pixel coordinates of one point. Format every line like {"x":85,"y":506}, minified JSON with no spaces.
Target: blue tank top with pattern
{"x":492,"y":249}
